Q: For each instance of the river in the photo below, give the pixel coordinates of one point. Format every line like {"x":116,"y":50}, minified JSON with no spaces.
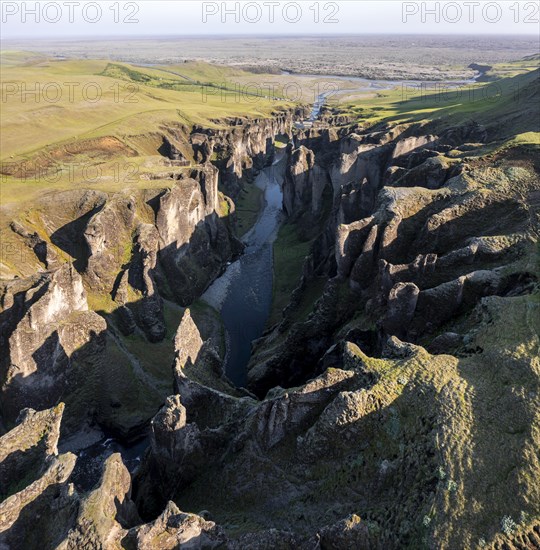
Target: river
{"x":243,"y":294}
{"x":365,"y":85}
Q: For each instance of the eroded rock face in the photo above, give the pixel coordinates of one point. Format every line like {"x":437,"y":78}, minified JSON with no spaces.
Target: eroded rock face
{"x":104,"y":511}
{"x":44,"y":252}
{"x":26,"y":518}
{"x":194,"y":241}
{"x":352,"y":240}
{"x":187,"y":247}
{"x":105,"y":235}
{"x":53,"y":340}
{"x":26,"y":448}
{"x":147,"y":312}
{"x":431,"y":174}
{"x":191,"y":352}
{"x":346,"y":439}
{"x":42,"y":508}
{"x":46,"y":511}
{"x":35,"y":486}
{"x":412,"y":235}
{"x":242,"y":149}
{"x":348,"y":533}
{"x":178,"y":447}
{"x":304,"y":431}
{"x":199,"y":427}
{"x":304,"y":184}
{"x":139,"y":244}
{"x":402,"y":301}
{"x":278,"y":417}
{"x":188,"y":342}
{"x":175,"y":529}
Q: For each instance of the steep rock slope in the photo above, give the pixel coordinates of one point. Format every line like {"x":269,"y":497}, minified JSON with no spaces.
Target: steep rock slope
{"x":407,"y":442}
{"x":402,"y":260}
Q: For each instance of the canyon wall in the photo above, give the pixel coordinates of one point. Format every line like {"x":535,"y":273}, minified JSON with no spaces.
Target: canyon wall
{"x":121,"y":254}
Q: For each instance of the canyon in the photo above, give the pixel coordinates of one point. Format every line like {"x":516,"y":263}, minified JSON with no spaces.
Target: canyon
{"x":394,"y":404}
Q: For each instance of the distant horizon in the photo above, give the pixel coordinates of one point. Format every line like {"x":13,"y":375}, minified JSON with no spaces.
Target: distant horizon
{"x":262,"y":36}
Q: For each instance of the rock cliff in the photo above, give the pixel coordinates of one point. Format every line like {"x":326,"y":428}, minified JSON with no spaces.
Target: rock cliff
{"x":405,"y":255}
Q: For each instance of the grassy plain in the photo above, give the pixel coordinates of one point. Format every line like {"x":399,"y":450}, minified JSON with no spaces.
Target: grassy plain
{"x":93,"y":113}
{"x":427,"y":57}
{"x":482,"y":102}
{"x":101,"y":102}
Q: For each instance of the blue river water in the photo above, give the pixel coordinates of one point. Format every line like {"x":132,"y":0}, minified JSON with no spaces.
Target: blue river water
{"x":243,"y":294}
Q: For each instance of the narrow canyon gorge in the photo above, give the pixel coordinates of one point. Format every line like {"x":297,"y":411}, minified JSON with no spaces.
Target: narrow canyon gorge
{"x":395,"y":389}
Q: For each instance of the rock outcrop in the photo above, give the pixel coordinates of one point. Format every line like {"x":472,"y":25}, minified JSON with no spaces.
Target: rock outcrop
{"x":243,"y":148}
{"x":35,"y":488}
{"x":104,"y":511}
{"x":52,"y":340}
{"x":173,"y":529}
{"x":44,"y":509}
{"x":304,"y":185}
{"x":323,"y":450}
{"x":26,"y":518}
{"x":29,"y":446}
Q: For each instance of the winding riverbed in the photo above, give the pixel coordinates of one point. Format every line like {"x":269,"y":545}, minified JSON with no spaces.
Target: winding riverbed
{"x":243,"y":294}
{"x":364,"y":85}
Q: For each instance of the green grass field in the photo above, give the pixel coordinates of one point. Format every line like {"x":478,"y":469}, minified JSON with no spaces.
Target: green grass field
{"x":89,"y":98}
{"x":289,"y":255}
{"x":76,"y":114}
{"x":248,"y":206}
{"x":483,"y":102}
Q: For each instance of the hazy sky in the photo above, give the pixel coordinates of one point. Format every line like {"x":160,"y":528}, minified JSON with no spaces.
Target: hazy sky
{"x":180,"y":17}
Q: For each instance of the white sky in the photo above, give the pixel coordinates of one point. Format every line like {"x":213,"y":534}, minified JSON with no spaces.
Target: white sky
{"x":63,"y":18}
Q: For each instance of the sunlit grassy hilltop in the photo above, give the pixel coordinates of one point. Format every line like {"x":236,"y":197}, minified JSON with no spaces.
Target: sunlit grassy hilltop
{"x":89,"y":98}
{"x":92,"y":112}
